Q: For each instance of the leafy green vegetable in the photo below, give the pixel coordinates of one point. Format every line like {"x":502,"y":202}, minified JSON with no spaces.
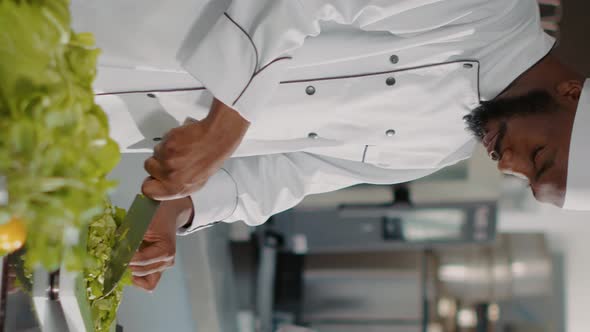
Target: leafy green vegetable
{"x":102,"y":237}
{"x":55,"y":150}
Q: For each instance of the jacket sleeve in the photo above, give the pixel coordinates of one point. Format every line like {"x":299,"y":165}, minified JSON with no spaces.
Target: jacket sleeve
{"x":252,"y":189}
{"x":242,"y":56}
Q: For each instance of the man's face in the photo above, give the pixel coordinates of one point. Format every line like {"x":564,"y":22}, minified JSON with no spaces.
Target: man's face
{"x":529,"y":137}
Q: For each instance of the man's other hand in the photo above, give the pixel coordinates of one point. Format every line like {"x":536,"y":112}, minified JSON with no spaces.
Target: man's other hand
{"x":188,"y":155}
{"x":158,"y":248}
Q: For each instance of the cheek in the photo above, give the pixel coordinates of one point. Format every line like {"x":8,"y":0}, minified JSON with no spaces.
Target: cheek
{"x":531,"y":129}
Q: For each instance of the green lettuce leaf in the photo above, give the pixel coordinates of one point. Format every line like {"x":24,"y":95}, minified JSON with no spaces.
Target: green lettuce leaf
{"x":102,"y":236}
{"x":55,"y":151}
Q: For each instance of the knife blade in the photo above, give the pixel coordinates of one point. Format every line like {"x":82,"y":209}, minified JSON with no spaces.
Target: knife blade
{"x":130,"y":235}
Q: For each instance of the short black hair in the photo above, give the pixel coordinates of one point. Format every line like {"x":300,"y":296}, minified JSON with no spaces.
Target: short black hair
{"x":533,"y":102}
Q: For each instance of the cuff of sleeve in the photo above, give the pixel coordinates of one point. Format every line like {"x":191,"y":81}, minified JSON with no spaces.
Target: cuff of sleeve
{"x":216,"y":201}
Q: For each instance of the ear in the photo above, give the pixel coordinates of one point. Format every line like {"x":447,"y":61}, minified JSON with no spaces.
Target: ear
{"x":570,"y":90}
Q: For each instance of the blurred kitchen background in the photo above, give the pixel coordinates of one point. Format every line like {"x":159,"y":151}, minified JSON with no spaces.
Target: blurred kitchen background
{"x":465,"y":249}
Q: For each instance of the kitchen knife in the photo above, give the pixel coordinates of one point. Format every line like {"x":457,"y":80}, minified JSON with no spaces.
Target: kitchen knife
{"x":129,"y":236}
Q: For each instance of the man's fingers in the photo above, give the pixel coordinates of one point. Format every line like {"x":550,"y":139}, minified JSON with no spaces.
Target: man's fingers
{"x":148,"y":282}
{"x":150,"y":254}
{"x":151,"y":272}
{"x":155,"y":189}
{"x":154,"y":168}
{"x":142,"y":261}
{"x":142,"y":271}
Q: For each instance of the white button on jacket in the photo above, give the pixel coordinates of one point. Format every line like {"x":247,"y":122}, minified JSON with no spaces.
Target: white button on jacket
{"x":339,"y":92}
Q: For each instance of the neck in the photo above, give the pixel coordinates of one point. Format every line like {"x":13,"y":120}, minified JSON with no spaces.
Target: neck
{"x":544,"y":75}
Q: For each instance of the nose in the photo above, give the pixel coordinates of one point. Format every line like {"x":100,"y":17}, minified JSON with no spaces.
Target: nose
{"x":511,"y":163}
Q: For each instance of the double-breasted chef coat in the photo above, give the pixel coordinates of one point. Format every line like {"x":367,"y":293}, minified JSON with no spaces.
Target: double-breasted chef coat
{"x":338,"y":92}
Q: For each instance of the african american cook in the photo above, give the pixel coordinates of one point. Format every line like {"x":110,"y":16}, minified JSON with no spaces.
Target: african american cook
{"x":289,"y":98}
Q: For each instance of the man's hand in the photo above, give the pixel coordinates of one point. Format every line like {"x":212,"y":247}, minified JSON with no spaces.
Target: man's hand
{"x":188,"y":155}
{"x":158,"y":249}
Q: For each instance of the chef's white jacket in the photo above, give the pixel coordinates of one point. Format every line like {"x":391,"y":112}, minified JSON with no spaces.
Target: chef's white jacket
{"x":339,"y":92}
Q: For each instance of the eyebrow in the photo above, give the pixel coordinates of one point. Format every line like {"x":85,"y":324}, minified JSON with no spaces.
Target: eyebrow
{"x":501,"y":134}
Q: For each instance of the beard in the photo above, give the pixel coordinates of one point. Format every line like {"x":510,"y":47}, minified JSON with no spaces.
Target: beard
{"x":534,"y":102}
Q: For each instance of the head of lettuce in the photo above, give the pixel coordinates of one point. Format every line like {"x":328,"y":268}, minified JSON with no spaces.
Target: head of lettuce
{"x":55,"y":150}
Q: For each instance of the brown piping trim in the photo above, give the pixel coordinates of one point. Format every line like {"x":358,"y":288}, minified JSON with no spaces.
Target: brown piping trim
{"x":258,"y":72}
{"x":270,"y":63}
{"x":148,"y":91}
{"x":243,"y":90}
{"x":247,"y":35}
{"x":376,"y":73}
{"x":478,"y":90}
{"x":365,"y":153}
{"x":299,"y":81}
{"x":255,"y":52}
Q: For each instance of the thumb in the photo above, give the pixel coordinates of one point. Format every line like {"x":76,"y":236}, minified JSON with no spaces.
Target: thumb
{"x":149,"y":282}
{"x":156,"y":190}
{"x":151,"y":254}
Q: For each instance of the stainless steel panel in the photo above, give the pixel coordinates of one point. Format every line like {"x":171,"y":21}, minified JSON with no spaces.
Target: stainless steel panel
{"x":265,"y":290}
{"x":354,"y":228}
{"x":466,"y":273}
{"x":530,"y":265}
{"x":500,"y":269}
{"x":516,"y":265}
{"x":363,"y":288}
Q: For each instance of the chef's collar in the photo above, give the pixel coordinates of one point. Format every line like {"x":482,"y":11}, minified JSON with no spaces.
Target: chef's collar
{"x":577,"y":195}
